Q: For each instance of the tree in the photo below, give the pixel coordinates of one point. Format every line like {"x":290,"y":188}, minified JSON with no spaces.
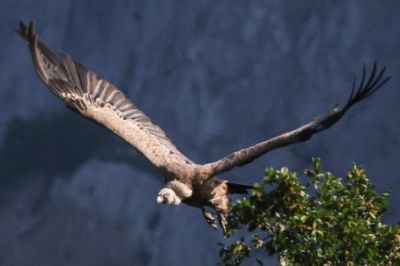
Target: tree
{"x":330,"y":221}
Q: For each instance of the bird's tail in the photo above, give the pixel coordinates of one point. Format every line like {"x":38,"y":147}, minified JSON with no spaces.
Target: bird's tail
{"x":235,"y":188}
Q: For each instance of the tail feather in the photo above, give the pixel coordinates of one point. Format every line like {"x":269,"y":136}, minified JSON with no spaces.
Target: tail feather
{"x":235,"y":188}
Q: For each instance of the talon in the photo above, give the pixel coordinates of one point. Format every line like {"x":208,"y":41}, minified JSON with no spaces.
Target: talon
{"x":222,"y":222}
{"x":210,"y":218}
{"x":214,"y":225}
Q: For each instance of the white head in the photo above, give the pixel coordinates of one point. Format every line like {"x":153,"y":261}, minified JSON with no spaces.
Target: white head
{"x":168,"y":196}
{"x":173,"y":193}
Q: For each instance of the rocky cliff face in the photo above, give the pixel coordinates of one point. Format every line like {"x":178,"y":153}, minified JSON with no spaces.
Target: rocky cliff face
{"x":217,"y":76}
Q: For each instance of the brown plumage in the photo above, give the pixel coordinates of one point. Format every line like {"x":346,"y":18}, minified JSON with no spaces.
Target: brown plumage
{"x":195,"y":184}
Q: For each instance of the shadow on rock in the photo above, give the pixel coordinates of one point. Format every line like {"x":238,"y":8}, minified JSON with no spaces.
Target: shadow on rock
{"x":58,"y":144}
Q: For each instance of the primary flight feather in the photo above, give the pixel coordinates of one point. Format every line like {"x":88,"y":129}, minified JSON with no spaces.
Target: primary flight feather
{"x":195,"y":184}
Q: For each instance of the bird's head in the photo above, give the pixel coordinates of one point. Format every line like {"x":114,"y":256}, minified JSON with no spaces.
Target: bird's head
{"x":168,"y":196}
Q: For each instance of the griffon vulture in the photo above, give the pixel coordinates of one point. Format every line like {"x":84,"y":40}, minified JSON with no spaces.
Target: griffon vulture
{"x":185,"y":181}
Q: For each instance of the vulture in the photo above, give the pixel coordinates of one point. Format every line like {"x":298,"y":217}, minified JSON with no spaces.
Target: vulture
{"x":186,"y":181}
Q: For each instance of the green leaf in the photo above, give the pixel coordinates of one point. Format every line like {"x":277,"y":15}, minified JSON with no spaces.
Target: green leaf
{"x":340,"y":223}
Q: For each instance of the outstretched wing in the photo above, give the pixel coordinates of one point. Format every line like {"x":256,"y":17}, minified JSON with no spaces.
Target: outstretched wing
{"x":303,"y":133}
{"x":97,"y":99}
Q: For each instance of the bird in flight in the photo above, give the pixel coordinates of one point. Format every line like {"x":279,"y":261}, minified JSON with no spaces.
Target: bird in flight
{"x":187,"y":182}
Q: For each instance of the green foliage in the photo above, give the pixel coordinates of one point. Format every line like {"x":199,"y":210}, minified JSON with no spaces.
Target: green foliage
{"x":328,"y":222}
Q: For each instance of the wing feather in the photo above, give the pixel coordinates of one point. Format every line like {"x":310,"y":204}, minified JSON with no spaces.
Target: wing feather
{"x":97,"y":99}
{"x":303,"y":133}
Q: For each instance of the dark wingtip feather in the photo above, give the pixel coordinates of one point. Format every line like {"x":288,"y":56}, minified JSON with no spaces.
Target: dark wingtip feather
{"x":31,"y":29}
{"x":366,"y":89}
{"x":22,"y":29}
{"x":27,"y":32}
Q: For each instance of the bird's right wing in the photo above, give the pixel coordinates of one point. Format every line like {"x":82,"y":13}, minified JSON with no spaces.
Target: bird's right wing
{"x":97,"y":99}
{"x":303,"y":133}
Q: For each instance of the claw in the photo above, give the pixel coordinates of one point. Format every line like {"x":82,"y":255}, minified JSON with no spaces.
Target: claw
{"x":210,"y":218}
{"x":222,"y":222}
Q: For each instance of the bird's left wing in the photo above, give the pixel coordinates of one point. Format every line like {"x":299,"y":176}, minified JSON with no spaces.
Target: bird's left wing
{"x":303,"y":133}
{"x":97,"y":99}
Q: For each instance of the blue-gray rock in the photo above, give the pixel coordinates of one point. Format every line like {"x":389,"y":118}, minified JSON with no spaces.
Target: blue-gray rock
{"x":216,"y":76}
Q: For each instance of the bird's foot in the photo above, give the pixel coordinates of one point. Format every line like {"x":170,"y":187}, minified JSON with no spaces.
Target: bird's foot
{"x":222,"y":222}
{"x":210,"y":218}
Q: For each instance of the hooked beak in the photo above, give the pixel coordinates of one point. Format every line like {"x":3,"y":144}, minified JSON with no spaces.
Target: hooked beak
{"x":160,"y":199}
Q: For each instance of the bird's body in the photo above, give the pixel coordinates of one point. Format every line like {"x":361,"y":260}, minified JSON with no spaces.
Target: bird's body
{"x":186,"y":181}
